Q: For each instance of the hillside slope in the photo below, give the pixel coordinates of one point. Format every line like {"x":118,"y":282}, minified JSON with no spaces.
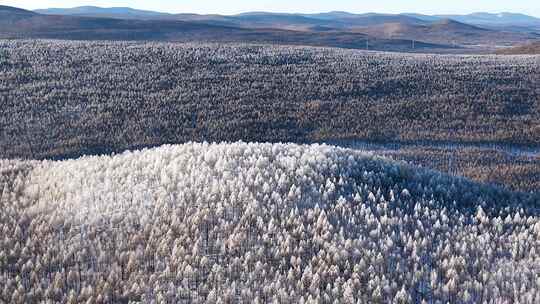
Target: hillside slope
{"x":71,"y":98}
{"x":259,"y":222}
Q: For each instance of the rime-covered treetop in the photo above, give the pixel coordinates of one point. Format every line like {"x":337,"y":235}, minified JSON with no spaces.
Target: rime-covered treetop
{"x":260,"y":222}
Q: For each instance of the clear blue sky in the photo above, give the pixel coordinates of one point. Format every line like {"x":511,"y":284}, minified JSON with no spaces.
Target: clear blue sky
{"x":530,"y":7}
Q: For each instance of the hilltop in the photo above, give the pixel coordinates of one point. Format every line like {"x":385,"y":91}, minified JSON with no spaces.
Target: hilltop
{"x":254,"y":222}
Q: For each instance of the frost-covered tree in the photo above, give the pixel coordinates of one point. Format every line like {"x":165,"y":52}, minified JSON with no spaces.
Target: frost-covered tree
{"x":213,"y":223}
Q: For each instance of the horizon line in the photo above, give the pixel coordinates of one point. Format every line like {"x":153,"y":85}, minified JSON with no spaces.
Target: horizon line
{"x":288,"y":12}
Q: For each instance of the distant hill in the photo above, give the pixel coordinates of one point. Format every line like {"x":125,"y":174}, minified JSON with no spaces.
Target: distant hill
{"x":10,"y":14}
{"x":479,"y":18}
{"x":503,"y":21}
{"x":391,"y":32}
{"x":355,"y":20}
{"x":337,"y":20}
{"x":528,"y":49}
{"x":447,"y":31}
{"x":14,"y":10}
{"x":495,"y":19}
{"x":432,"y":29}
{"x":25,"y":24}
{"x":110,"y":12}
{"x":281,"y":21}
{"x":429,"y":29}
{"x":486,"y":19}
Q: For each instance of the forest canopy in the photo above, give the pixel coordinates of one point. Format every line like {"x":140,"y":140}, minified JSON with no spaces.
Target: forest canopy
{"x":260,"y":223}
{"x":62,"y":98}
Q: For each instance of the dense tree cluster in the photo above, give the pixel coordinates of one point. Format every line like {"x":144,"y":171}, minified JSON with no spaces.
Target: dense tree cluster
{"x":260,"y":223}
{"x":71,"y":98}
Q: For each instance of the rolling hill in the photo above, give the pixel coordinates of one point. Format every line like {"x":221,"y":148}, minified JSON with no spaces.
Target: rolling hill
{"x":500,"y":19}
{"x":103,"y":97}
{"x":7,"y":10}
{"x":26,"y":24}
{"x":90,"y":28}
{"x":334,"y":20}
{"x":445,"y":31}
{"x":254,"y":222}
{"x":10,"y":14}
{"x":483,"y":19}
{"x":331,"y":21}
{"x":280,"y":21}
{"x":479,"y":18}
{"x":111,"y":12}
{"x":448,"y":31}
{"x":509,"y":22}
{"x":352,"y":21}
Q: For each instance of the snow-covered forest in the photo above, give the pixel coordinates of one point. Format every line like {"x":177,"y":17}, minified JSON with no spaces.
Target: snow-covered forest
{"x":260,"y":223}
{"x":66,"y":98}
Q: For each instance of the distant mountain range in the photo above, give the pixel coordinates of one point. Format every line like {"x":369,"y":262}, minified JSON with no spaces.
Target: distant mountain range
{"x":16,"y":23}
{"x":479,"y":18}
{"x":94,"y":11}
{"x":394,"y":32}
{"x":484,"y":18}
{"x":448,"y":31}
